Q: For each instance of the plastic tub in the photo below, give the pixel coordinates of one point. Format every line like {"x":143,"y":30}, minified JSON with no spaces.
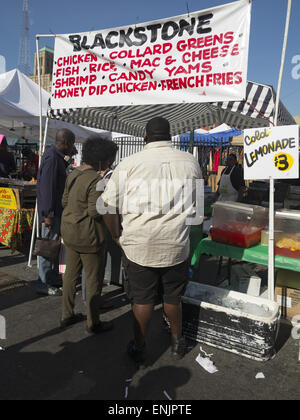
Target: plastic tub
{"x":265,"y":237}
{"x":287,"y":252}
{"x":287,"y":241}
{"x":236,"y":234}
{"x":238,"y":224}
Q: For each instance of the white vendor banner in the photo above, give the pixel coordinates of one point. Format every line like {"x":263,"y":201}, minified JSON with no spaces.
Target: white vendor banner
{"x":271,"y":152}
{"x":196,"y":57}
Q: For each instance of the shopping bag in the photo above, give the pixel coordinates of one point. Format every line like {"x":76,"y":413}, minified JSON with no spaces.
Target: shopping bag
{"x":48,"y":248}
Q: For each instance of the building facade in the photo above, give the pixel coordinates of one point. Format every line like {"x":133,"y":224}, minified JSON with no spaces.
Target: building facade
{"x":46,"y":64}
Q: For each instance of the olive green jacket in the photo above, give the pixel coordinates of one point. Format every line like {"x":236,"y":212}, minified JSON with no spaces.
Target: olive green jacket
{"x":82,"y":228}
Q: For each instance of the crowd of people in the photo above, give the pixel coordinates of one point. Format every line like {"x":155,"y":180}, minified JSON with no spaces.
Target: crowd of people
{"x":154,"y":244}
{"x":83,"y":207}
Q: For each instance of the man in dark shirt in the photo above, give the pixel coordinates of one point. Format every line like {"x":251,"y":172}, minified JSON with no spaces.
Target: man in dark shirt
{"x":7,"y":161}
{"x":50,"y":188}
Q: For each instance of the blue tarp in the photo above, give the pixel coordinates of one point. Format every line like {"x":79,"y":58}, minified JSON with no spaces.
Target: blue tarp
{"x":215,"y":139}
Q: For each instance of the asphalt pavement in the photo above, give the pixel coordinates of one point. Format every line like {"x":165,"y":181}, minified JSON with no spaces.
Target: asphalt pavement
{"x":40,"y":362}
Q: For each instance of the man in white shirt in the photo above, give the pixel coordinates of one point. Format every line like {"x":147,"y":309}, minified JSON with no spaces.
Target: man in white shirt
{"x":154,"y":191}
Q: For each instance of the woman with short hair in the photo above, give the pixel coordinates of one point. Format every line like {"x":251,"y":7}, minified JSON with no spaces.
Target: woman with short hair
{"x":83,"y":232}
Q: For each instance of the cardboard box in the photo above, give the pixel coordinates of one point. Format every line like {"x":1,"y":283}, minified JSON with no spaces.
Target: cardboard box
{"x":287,"y":278}
{"x":287,"y":292}
{"x":289,"y":301}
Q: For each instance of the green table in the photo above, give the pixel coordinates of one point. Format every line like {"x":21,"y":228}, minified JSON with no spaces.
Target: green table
{"x":207,"y":210}
{"x":257,"y":255}
{"x":196,"y":236}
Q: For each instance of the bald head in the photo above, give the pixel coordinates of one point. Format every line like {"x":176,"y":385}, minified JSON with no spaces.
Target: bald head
{"x":158,"y":129}
{"x":65,"y":140}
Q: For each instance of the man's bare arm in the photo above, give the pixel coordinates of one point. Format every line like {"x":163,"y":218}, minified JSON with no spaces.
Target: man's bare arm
{"x":112,"y":222}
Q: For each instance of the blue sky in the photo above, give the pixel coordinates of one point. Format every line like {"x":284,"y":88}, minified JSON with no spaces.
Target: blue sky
{"x":67,"y":16}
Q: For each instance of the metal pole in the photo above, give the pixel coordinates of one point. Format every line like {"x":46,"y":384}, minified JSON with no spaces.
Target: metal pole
{"x":271,"y":278}
{"x":287,"y":24}
{"x":35,"y":227}
{"x":271,"y":282}
{"x":45,"y":135}
{"x":45,"y":36}
{"x":32,"y":237}
{"x":40,"y":96}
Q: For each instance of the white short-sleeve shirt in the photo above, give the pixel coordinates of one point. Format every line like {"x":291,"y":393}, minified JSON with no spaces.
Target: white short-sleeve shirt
{"x":149,"y":190}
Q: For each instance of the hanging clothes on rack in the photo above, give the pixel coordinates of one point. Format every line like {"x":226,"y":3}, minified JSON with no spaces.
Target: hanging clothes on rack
{"x":216,"y":161}
{"x":210,"y":166}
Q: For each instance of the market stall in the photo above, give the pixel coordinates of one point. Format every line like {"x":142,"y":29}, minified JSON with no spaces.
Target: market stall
{"x":110,"y":100}
{"x":16,"y":227}
{"x":240,"y":232}
{"x":17,"y":202}
{"x":213,"y":147}
{"x":257,"y":255}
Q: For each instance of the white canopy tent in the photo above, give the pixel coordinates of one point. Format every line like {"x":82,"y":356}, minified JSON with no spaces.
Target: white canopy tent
{"x":20,"y":112}
{"x":23,"y":106}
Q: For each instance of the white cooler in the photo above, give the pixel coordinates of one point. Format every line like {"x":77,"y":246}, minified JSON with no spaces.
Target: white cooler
{"x":231,"y":321}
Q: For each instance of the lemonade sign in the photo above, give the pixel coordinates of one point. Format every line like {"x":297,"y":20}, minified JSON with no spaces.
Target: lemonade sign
{"x":7,"y":199}
{"x":271,"y":153}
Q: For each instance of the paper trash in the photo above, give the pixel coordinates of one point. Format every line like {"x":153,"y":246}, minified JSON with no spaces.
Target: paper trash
{"x":206,"y":362}
{"x":167,"y":395}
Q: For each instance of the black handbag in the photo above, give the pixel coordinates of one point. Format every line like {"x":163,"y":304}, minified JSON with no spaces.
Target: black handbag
{"x":47,"y":247}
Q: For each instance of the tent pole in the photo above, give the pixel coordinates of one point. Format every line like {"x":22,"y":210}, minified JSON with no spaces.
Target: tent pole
{"x":45,"y":135}
{"x":35,"y":229}
{"x":46,"y":36}
{"x":271,"y":279}
{"x":36,"y":213}
{"x":40,"y":96}
{"x":191,"y":146}
{"x":283,"y":59}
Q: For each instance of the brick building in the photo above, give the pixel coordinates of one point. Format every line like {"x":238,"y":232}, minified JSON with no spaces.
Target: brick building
{"x":46,"y":62}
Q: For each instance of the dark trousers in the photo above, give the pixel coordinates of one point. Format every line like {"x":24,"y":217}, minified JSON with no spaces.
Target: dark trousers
{"x":94,"y":266}
{"x":112,"y":274}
